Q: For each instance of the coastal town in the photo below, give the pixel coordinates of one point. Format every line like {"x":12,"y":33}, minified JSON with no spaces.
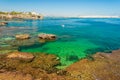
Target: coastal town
{"x":8,"y":16}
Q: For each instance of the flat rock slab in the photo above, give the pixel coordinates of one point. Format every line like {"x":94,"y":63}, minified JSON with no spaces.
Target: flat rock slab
{"x":21,"y":56}
{"x":22,"y":36}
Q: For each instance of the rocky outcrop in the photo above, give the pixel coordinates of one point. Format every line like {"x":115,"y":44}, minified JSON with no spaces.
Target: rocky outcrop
{"x":47,"y":37}
{"x":22,"y":36}
{"x":103,"y":66}
{"x":114,"y":56}
{"x":21,"y":56}
{"x":3,"y":23}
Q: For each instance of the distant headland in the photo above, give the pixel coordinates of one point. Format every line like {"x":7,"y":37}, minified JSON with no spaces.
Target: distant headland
{"x":20,"y":15}
{"x":99,"y":16}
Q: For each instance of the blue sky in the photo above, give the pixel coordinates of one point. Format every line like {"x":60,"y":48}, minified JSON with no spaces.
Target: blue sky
{"x":63,"y":7}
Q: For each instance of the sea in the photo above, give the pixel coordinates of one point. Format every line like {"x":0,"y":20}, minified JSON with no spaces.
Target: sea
{"x":77,"y":38}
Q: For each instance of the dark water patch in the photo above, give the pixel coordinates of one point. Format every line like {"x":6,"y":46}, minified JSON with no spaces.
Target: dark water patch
{"x":36,"y":45}
{"x":66,"y":40}
{"x":89,"y":57}
{"x":72,"y":58}
{"x":95,"y":50}
{"x":107,"y":43}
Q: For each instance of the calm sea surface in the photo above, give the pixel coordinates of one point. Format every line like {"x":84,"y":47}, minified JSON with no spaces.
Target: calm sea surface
{"x":76,"y":37}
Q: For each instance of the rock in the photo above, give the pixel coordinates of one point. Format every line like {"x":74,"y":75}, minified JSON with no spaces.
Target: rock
{"x":114,"y":56}
{"x":47,"y":36}
{"x":105,"y":66}
{"x":3,"y":23}
{"x":8,"y":75}
{"x":22,"y":36}
{"x":21,"y":56}
{"x":22,"y":43}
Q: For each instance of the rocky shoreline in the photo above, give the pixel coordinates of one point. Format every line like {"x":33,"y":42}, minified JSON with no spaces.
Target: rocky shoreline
{"x":26,"y":66}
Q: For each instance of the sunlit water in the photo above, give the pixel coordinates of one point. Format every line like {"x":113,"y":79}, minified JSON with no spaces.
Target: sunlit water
{"x":76,"y":37}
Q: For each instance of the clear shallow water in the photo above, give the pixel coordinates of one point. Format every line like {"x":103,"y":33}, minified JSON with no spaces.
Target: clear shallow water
{"x":76,"y":37}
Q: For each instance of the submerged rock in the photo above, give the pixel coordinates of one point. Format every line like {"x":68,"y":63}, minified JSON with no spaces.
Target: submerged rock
{"x":22,"y":36}
{"x":3,"y":23}
{"x":18,"y":43}
{"x":20,"y":55}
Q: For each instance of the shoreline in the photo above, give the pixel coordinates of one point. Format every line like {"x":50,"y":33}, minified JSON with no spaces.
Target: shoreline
{"x":74,"y":70}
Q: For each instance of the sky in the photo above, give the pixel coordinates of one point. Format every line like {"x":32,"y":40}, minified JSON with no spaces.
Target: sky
{"x":64,"y":7}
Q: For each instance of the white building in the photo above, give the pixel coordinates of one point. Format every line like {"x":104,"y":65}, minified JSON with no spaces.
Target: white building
{"x":34,"y":13}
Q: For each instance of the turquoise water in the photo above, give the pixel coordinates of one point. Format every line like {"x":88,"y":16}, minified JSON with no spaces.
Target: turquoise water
{"x":76,"y":37}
